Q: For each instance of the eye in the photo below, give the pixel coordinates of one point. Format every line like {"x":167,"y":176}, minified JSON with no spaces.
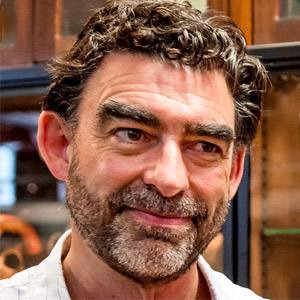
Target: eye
{"x":205,"y":147}
{"x":128,"y":135}
{"x":208,"y":147}
{"x":134,"y":134}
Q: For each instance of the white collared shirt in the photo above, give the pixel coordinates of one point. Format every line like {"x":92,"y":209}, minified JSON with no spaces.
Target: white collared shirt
{"x":46,"y":281}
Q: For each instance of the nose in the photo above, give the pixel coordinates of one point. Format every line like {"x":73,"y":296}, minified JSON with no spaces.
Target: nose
{"x":168,"y":171}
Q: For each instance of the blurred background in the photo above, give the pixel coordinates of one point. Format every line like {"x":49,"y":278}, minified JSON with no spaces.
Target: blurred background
{"x":259,"y":246}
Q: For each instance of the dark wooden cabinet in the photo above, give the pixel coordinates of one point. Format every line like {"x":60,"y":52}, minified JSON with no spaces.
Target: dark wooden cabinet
{"x":16,"y":32}
{"x":42,"y":29}
{"x":275,"y":178}
{"x":39,"y":30}
{"x":263,"y":22}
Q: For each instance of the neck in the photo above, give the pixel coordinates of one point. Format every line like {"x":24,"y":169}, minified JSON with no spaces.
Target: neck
{"x":88,"y":277}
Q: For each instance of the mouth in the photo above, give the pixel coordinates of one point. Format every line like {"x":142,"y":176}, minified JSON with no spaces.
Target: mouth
{"x":157,"y":218}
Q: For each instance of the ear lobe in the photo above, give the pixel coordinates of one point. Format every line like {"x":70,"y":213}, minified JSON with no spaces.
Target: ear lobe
{"x":236,"y":171}
{"x":53,"y":140}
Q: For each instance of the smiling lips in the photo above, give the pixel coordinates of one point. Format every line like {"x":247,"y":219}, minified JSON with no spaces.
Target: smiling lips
{"x":158,"y":219}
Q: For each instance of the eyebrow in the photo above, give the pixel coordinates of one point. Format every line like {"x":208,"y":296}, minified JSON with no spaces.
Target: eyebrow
{"x":218,"y":131}
{"x":112,"y":108}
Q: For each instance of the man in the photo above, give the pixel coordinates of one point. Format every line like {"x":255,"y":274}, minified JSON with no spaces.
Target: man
{"x":147,"y":119}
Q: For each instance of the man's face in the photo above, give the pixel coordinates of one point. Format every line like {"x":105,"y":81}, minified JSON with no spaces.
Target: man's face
{"x":150,"y":164}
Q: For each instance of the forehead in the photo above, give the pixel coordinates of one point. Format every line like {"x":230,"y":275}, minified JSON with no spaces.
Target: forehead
{"x":140,"y":81}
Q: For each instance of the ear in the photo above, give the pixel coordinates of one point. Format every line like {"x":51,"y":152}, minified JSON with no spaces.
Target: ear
{"x":53,"y":140}
{"x":236,"y":171}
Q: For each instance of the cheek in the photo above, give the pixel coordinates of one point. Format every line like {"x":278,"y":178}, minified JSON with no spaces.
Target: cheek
{"x":212,"y":184}
{"x":122,"y":171}
{"x":108,"y":172}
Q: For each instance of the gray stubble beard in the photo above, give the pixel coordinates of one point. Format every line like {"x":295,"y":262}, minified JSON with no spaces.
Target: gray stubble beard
{"x":149,"y":255}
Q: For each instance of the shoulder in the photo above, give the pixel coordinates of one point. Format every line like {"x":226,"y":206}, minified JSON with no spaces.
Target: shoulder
{"x":19,"y":284}
{"x":234,"y":291}
{"x":223,"y":288}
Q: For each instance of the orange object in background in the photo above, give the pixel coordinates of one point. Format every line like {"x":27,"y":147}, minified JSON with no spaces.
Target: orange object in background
{"x":22,"y":239}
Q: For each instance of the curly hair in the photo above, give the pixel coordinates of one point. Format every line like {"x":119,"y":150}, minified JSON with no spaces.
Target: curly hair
{"x":172,"y":32}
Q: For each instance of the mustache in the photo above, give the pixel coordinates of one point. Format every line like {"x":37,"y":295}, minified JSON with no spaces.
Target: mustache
{"x":147,"y":197}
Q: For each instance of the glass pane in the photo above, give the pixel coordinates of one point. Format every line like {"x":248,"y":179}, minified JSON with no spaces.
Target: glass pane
{"x":74,"y":13}
{"x":289,"y":8}
{"x":280,"y":190}
{"x":7,"y":23}
{"x":199,"y":4}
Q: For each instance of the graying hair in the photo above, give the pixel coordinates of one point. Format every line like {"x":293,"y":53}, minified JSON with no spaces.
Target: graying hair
{"x":169,"y":31}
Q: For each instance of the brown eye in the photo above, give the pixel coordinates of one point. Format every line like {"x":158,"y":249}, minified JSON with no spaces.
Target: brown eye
{"x":207,"y":147}
{"x":130,"y":135}
{"x":134,"y":134}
